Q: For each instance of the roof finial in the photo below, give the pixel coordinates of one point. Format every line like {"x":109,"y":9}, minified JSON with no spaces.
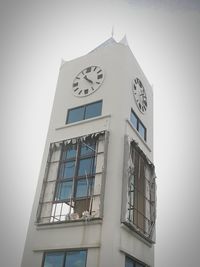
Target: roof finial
{"x":124,"y":41}
{"x":112,"y":33}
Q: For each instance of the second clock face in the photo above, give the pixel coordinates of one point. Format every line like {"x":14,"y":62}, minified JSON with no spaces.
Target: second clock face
{"x":88,"y":81}
{"x":140,"y":95}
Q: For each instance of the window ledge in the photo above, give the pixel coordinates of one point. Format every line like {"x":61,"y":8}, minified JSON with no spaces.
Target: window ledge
{"x":137,"y":133}
{"x":63,"y":224}
{"x":137,"y":234}
{"x":75,"y":247}
{"x":83,"y":121}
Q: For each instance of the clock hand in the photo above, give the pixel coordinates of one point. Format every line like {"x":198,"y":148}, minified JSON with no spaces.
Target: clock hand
{"x":86,"y":78}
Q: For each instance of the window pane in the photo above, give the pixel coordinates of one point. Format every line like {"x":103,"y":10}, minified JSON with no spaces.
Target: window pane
{"x":67,"y":170}
{"x":64,"y":190}
{"x":142,"y":131}
{"x":70,"y":152}
{"x":54,"y":259}
{"x":76,"y":114}
{"x":93,"y":110}
{"x":134,"y":120}
{"x":129,"y":263}
{"x":86,"y":167}
{"x":88,"y":148}
{"x":84,"y":187}
{"x":76,"y":259}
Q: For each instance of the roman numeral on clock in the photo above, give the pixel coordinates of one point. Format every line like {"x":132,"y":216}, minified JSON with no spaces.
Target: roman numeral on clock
{"x":75,"y":84}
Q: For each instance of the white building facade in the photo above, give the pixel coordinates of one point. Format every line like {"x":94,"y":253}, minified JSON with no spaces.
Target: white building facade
{"x":95,"y":199}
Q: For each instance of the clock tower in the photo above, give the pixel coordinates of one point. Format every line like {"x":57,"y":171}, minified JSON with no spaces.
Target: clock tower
{"x":95,"y":200}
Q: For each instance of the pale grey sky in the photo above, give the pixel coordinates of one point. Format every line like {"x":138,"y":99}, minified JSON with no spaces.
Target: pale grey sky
{"x":164,"y":36}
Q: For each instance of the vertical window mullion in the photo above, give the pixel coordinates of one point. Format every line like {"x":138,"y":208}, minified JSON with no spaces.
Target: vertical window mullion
{"x":76,"y":169}
{"x":84,"y":112}
{"x":137,"y":124}
{"x":64,"y":259}
{"x":59,"y":166}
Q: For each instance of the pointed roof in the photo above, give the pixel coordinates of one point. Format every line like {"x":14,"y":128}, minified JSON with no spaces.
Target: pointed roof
{"x":110,"y":42}
{"x":124,"y":41}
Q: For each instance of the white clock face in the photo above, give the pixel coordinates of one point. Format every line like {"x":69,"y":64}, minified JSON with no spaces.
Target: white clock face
{"x":140,"y":95}
{"x":88,"y":81}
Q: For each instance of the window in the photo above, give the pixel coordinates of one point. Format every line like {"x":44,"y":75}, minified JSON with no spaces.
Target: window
{"x":72,"y":185}
{"x":75,"y":258}
{"x":138,"y":125}
{"x":132,"y":263}
{"x":138,"y":209}
{"x":84,"y":112}
{"x":76,"y":171}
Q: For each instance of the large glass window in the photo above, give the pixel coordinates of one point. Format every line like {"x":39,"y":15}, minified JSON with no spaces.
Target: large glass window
{"x":65,"y":259}
{"x":138,"y":125}
{"x":139,"y":211}
{"x":84,"y":112}
{"x":76,"y":171}
{"x":73,"y":181}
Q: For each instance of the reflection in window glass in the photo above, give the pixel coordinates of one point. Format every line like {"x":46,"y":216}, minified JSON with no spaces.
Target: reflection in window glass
{"x":134,"y":120}
{"x":132,"y":263}
{"x":67,"y":169}
{"x":76,"y":114}
{"x":64,"y":190}
{"x":87,"y":149}
{"x":69,"y":153}
{"x":86,"y":167}
{"x":54,"y":259}
{"x":141,"y":130}
{"x":129,"y":263}
{"x":84,"y":187}
{"x":84,"y":112}
{"x":137,"y":124}
{"x":76,"y":259}
{"x":93,"y":110}
{"x":65,"y":259}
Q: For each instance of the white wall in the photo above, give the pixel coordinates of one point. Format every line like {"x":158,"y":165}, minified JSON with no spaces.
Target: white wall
{"x":106,"y":239}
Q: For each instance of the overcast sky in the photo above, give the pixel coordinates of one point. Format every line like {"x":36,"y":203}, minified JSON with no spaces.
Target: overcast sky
{"x":164,"y":36}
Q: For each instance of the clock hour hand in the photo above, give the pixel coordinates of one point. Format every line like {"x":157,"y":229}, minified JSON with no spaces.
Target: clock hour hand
{"x":86,"y":78}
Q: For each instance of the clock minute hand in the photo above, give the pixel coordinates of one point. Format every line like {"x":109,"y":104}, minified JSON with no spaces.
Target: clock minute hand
{"x":86,"y":78}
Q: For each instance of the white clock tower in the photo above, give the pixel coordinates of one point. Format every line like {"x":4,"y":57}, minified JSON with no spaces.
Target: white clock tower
{"x":95,"y":200}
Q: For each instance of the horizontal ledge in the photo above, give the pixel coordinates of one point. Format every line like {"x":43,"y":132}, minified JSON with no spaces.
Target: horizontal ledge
{"x":137,"y":235}
{"x":75,"y":223}
{"x":65,"y":247}
{"x":83,"y":122}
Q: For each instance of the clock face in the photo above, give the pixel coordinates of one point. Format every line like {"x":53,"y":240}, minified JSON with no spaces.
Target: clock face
{"x":140,"y":95}
{"x":88,"y":81}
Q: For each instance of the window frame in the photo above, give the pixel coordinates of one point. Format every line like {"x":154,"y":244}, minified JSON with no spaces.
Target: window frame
{"x":138,"y":123}
{"x":82,"y":206}
{"x":130,"y":191}
{"x":84,"y":112}
{"x":65,"y":252}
